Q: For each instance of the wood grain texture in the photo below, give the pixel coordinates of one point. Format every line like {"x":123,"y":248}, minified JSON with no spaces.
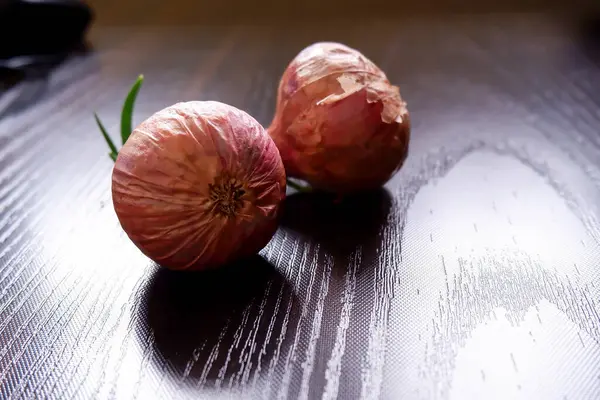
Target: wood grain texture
{"x":475,"y":273}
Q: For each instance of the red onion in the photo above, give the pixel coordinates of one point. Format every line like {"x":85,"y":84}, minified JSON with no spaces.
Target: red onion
{"x":197,"y":185}
{"x":339,"y":123}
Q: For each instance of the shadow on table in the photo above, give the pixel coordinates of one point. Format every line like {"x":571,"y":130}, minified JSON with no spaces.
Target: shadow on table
{"x":351,"y":232}
{"x":213,"y":326}
{"x":340,"y":227}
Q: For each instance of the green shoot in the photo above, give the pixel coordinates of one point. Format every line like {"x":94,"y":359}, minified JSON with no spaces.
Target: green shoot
{"x":126,"y":119}
{"x":111,"y":145}
{"x":127,"y":113}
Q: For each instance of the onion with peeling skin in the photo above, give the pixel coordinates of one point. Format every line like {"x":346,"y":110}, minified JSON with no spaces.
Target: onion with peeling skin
{"x":197,"y":185}
{"x":339,"y":124}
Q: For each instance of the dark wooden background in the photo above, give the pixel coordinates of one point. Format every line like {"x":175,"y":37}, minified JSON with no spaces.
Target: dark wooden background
{"x":474,"y":274}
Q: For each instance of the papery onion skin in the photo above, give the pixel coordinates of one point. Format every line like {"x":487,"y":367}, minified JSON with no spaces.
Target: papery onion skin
{"x":339,"y":124}
{"x":197,"y":185}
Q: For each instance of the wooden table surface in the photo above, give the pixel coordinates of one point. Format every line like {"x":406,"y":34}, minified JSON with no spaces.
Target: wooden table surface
{"x":475,"y":273}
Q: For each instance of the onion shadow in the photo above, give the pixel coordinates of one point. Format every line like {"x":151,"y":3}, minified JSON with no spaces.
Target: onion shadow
{"x":339,"y":226}
{"x":217,"y":327}
{"x":351,"y":234}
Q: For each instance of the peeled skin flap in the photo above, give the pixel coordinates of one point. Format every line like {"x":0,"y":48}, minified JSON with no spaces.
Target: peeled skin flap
{"x":339,"y":124}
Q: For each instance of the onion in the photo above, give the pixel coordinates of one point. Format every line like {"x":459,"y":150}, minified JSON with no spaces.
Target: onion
{"x":339,"y":123}
{"x":197,"y":185}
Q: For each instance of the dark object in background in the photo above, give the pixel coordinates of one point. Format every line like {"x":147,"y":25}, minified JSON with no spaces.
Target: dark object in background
{"x":40,"y":31}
